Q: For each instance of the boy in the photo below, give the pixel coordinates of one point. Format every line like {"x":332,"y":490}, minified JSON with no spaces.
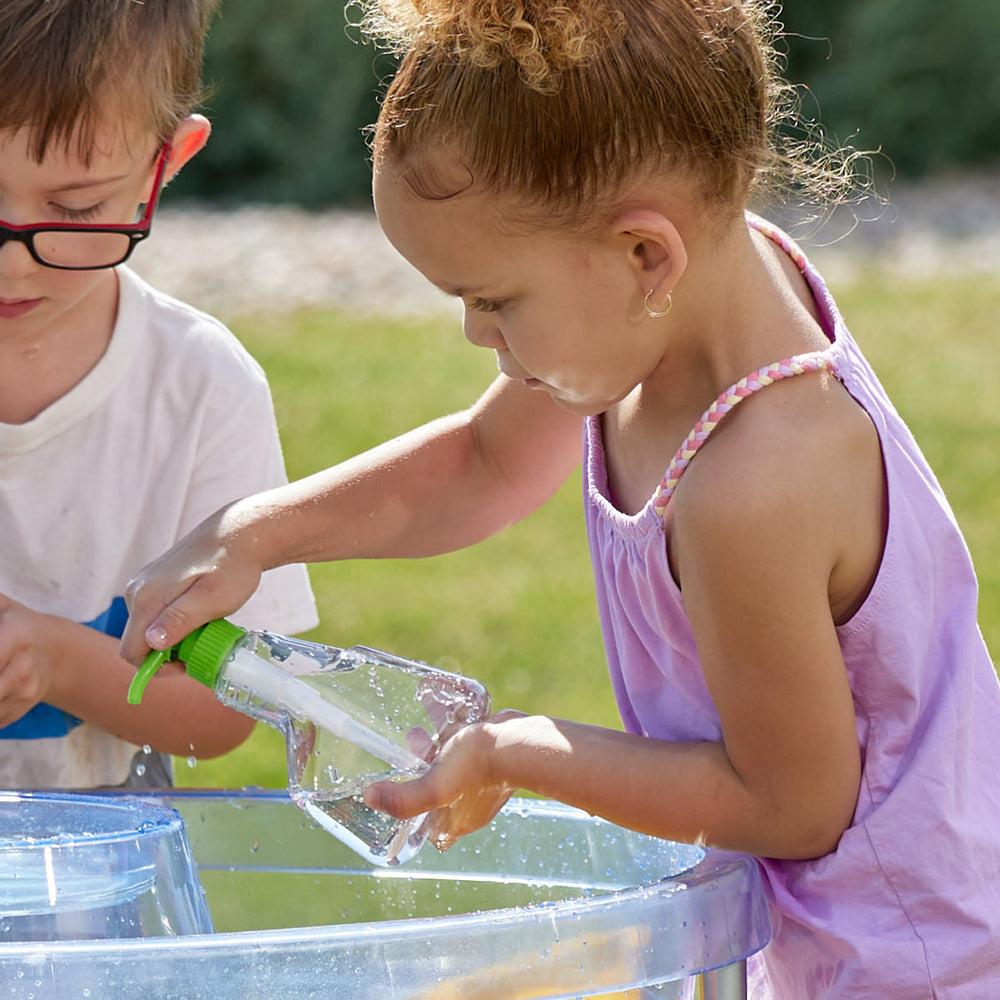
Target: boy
{"x":125,"y":416}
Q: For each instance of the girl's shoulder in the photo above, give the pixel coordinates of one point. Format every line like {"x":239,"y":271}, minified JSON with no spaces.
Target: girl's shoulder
{"x":798,"y":467}
{"x":790,"y":435}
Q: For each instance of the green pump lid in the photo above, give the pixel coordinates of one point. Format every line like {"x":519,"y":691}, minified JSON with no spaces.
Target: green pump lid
{"x":203,"y":653}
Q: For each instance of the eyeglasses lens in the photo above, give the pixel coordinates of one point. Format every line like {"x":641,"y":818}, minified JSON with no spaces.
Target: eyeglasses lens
{"x":66,"y":248}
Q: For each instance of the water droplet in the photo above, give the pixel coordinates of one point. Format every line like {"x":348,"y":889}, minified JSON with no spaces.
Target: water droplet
{"x":140,"y":769}
{"x":147,"y":749}
{"x":192,"y":761}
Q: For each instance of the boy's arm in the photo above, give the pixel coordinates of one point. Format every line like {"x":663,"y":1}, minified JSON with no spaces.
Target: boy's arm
{"x":440,"y":487}
{"x":46,"y":658}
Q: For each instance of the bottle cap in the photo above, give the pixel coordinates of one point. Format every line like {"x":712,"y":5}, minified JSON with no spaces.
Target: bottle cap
{"x":203,"y":653}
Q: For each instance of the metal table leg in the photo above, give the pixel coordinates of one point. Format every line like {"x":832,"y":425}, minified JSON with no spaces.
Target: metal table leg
{"x":729,"y":983}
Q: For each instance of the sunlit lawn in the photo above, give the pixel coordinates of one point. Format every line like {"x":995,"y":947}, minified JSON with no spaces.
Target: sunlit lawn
{"x":518,"y":612}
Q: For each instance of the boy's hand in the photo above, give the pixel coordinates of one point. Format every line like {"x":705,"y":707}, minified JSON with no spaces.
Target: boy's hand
{"x":25,"y":664}
{"x":206,"y":575}
{"x":73,"y":667}
{"x":460,"y":790}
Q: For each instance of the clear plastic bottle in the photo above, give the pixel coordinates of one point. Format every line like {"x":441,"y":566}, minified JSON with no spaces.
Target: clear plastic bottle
{"x":350,"y":717}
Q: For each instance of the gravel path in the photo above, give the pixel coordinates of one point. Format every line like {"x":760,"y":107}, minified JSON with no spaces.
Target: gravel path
{"x":271,"y":259}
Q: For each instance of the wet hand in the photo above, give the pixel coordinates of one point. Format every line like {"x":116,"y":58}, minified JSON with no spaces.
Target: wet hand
{"x":461,"y":790}
{"x":208,"y":574}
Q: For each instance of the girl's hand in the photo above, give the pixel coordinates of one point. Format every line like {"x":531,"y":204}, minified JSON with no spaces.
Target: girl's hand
{"x":461,"y":790}
{"x":209,"y":573}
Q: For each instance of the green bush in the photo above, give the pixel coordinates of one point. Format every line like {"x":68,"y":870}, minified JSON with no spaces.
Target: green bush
{"x":291,"y":91}
{"x":913,"y":78}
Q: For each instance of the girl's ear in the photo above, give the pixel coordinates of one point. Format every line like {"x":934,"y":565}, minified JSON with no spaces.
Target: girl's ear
{"x":656,"y":253}
{"x":190,"y":138}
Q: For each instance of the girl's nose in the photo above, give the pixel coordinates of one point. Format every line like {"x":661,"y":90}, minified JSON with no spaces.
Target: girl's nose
{"x":481,"y":331}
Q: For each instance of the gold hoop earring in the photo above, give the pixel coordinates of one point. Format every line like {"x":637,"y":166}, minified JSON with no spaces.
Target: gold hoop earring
{"x":657,"y":313}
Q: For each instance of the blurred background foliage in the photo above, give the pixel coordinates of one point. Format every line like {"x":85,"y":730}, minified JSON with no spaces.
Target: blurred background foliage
{"x":292,"y":90}
{"x":916,"y":78}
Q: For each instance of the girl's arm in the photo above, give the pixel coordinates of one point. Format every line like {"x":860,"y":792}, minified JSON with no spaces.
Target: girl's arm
{"x":440,"y":487}
{"x":770,"y":529}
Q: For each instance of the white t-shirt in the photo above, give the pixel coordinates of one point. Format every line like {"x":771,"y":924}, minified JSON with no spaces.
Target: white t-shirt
{"x":175,"y":420}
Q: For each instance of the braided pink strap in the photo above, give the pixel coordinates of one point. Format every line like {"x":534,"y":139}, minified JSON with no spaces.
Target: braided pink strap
{"x":746,"y":386}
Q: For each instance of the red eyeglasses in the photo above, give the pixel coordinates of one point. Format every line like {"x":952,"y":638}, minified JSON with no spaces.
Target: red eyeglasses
{"x":73,"y":246}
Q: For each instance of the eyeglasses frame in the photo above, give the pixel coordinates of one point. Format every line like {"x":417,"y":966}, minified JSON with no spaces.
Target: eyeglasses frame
{"x":136,"y":231}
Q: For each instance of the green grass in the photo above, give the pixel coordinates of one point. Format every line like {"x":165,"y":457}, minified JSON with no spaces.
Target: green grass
{"x":933,"y":345}
{"x":518,"y":611}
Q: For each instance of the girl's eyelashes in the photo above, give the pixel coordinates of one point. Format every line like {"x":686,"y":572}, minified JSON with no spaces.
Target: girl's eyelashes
{"x":487,"y":305}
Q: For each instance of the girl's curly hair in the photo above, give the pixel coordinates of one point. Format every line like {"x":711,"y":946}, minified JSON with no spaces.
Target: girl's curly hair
{"x":565,"y":101}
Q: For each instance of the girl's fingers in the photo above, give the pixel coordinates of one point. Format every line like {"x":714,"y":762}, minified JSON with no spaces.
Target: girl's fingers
{"x":403,"y":799}
{"x":153,"y":624}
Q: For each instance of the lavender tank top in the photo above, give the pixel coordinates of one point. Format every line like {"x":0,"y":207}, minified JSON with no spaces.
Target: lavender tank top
{"x":908,"y":905}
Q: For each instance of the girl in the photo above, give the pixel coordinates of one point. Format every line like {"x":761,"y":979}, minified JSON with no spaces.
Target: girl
{"x":789,"y":611}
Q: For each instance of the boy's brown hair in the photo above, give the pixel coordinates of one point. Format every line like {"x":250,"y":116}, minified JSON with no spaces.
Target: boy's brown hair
{"x":563,"y":102}
{"x":65,"y":63}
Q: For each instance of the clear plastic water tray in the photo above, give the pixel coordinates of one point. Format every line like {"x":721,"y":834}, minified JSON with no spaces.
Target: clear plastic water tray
{"x":80,"y":866}
{"x":547,"y":902}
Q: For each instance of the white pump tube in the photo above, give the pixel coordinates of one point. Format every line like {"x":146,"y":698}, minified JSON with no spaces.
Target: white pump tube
{"x":273,"y":685}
